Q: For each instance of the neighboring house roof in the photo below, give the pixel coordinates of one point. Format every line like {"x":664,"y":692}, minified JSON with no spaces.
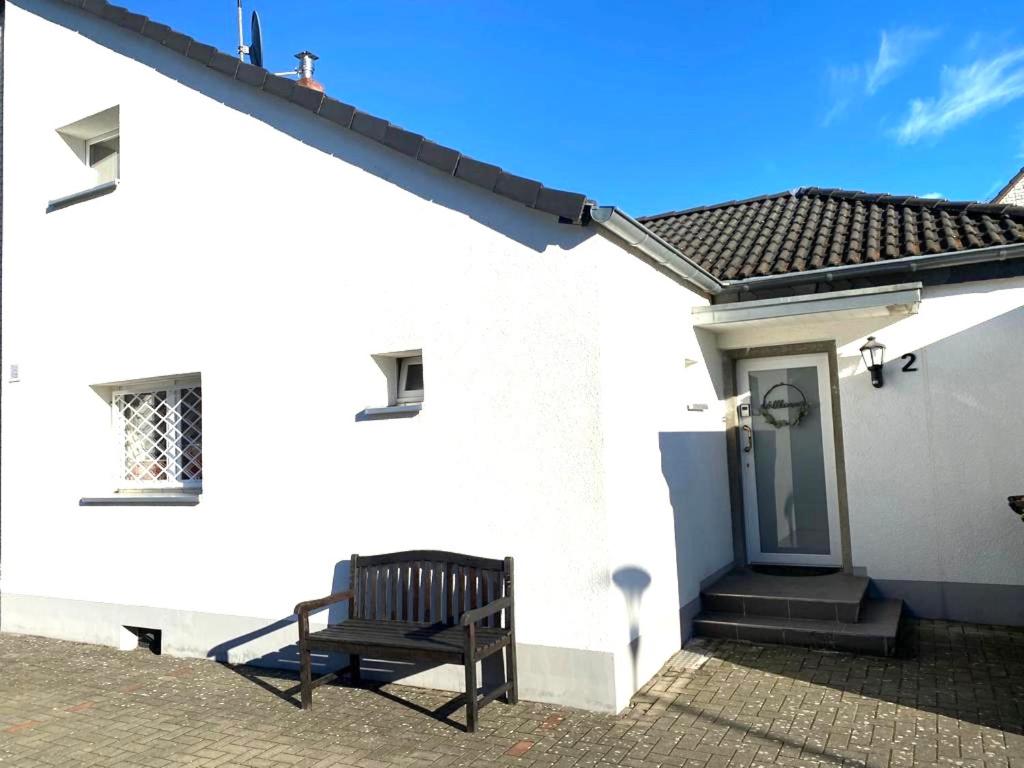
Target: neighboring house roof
{"x":532,"y":194}
{"x":1013,"y":192}
{"x":813,"y":228}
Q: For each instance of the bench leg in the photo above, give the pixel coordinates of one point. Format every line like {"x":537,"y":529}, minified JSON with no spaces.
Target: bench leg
{"x":512,"y":697}
{"x":471,"y":701}
{"x":354,"y":662}
{"x":305,"y":677}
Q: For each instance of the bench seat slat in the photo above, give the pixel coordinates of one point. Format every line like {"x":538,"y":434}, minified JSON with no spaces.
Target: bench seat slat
{"x":398,"y":634}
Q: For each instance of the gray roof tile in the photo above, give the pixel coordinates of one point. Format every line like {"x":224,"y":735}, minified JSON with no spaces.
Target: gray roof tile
{"x":177,"y":41}
{"x":133,"y":21}
{"x":279,"y":86}
{"x":114,"y":13}
{"x":201,"y":52}
{"x":368,"y":125}
{"x":517,"y":188}
{"x":565,"y":205}
{"x":337,"y":112}
{"x":251,"y":75}
{"x":155,"y":31}
{"x":482,"y":174}
{"x":307,"y":98}
{"x":440,"y":157}
{"x":224,"y":63}
{"x":406,"y":142}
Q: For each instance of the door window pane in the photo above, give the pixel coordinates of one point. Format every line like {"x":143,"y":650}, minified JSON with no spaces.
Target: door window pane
{"x":789,"y":462}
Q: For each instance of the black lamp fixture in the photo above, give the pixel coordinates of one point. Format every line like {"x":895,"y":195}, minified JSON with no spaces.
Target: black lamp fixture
{"x":873,"y":353}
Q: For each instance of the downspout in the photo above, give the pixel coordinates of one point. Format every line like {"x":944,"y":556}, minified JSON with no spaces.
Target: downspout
{"x":636,"y":235}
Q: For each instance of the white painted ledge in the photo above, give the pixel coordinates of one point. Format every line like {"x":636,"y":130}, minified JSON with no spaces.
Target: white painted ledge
{"x":79,"y":197}
{"x":141,"y":500}
{"x":389,"y":412}
{"x":877,"y":301}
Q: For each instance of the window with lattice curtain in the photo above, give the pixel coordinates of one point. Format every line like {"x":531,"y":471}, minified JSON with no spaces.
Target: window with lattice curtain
{"x":159,"y":428}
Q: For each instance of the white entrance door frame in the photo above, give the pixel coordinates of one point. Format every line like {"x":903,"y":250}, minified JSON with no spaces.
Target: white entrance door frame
{"x":755,"y":553}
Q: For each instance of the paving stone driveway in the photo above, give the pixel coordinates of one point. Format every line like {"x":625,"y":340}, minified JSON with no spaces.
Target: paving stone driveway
{"x":954,"y":697}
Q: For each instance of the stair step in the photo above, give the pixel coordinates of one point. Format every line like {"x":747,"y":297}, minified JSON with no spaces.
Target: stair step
{"x":830,"y":597}
{"x":875,"y":633}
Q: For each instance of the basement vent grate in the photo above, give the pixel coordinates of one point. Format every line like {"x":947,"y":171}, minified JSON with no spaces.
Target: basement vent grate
{"x":148,"y":638}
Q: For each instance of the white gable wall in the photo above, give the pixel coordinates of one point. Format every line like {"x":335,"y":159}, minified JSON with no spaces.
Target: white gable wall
{"x":275,"y":270}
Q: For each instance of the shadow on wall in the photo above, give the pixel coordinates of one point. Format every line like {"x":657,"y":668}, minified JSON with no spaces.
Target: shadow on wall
{"x":509,"y":218}
{"x":695,"y":471}
{"x":632,"y":581}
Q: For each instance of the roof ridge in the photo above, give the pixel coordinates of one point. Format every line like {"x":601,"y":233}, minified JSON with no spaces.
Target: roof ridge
{"x":881,"y":198}
{"x":724,"y":204}
{"x":566,"y":205}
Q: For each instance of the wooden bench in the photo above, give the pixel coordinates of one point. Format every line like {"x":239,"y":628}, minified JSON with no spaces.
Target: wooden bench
{"x":427,"y":606}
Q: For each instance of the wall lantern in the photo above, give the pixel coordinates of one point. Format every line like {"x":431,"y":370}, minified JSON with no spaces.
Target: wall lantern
{"x":873,"y":353}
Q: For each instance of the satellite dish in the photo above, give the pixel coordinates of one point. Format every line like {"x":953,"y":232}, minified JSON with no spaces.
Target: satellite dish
{"x":256,"y":46}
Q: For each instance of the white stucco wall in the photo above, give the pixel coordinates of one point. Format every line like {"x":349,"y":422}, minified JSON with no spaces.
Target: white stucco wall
{"x":666,"y":487}
{"x":275,"y":255}
{"x":932,"y":456}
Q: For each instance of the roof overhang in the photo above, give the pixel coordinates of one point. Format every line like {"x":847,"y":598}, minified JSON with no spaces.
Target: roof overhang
{"x":878,"y":301}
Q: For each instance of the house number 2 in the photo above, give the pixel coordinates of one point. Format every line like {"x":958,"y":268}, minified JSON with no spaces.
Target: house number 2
{"x":911,"y":358}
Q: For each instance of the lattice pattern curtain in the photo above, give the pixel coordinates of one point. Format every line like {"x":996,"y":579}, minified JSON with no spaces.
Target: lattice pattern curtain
{"x":162,"y":434}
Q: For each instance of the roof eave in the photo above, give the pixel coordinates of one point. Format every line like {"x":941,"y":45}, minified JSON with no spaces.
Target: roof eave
{"x":906,"y":264}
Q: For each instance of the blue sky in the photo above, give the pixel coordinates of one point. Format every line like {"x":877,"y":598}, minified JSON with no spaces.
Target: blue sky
{"x":662,"y":106}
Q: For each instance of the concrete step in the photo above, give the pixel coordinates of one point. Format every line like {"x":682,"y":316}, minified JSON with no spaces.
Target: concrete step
{"x":829,"y":597}
{"x":875,"y":633}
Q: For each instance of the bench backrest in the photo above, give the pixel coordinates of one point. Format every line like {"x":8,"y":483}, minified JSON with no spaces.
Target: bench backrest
{"x":427,"y":587}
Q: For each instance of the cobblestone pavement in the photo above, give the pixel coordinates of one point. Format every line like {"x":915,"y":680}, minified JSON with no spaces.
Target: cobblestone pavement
{"x":955,"y":696}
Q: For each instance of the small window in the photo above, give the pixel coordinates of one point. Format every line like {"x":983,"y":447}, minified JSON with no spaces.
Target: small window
{"x":159,"y":434}
{"x":93,"y":168}
{"x":410,"y":380}
{"x":103,"y":155}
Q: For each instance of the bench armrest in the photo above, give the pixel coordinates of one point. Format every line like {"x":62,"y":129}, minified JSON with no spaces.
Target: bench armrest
{"x":473,"y":616}
{"x":323,"y":602}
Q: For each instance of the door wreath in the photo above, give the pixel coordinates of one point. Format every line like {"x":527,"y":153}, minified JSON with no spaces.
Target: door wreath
{"x":802,"y":406}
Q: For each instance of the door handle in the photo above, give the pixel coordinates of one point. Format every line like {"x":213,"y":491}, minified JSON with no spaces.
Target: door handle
{"x":750,"y":438}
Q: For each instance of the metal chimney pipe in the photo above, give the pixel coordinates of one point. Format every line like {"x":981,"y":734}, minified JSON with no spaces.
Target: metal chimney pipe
{"x":305,"y":70}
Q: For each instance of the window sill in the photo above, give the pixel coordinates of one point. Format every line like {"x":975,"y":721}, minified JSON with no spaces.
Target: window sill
{"x":170,"y":499}
{"x":80,"y":197}
{"x":390,"y":412}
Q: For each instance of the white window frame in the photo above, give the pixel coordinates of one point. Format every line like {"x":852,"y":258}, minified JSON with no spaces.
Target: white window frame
{"x":172,"y":386}
{"x":407,"y":396}
{"x":90,"y":143}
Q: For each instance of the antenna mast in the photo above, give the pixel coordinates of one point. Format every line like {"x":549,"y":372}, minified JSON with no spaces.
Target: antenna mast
{"x":242,"y":47}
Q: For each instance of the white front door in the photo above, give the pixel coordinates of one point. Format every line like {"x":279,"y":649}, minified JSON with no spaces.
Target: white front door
{"x":788,"y":460}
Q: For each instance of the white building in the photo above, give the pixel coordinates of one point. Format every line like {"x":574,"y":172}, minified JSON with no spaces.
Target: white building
{"x":212,"y":397}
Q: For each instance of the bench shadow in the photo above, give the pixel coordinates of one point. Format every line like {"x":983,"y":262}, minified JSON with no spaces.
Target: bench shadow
{"x":277,"y":671}
{"x":442,"y":714}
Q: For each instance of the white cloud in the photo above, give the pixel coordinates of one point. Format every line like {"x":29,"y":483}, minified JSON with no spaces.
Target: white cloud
{"x":843,"y":82}
{"x":964,"y":93}
{"x":848,"y":84}
{"x":897,"y":49}
{"x":933,"y":196}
